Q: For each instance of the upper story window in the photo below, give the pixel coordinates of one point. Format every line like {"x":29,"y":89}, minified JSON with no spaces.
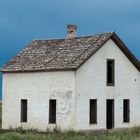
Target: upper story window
{"x":110,"y":72}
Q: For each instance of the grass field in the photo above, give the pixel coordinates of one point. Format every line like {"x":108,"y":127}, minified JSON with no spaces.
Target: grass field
{"x":131,"y":134}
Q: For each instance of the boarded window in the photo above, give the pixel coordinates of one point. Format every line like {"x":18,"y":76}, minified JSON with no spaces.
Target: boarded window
{"x":24,"y":110}
{"x":126,"y":110}
{"x":52,"y":111}
{"x":110,"y":72}
{"x":93,"y":111}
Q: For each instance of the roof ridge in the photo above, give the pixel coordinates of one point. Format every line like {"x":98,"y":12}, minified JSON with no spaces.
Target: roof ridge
{"x":65,"y":55}
{"x":77,"y":37}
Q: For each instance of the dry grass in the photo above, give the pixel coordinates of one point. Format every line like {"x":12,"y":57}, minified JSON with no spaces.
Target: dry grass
{"x":19,"y":134}
{"x":133,"y":134}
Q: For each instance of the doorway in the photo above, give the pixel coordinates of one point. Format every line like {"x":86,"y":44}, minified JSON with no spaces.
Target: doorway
{"x":109,"y":113}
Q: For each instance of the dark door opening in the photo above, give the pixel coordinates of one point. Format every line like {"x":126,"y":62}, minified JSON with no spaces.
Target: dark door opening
{"x":126,"y":110}
{"x":52,"y":111}
{"x":110,"y":114}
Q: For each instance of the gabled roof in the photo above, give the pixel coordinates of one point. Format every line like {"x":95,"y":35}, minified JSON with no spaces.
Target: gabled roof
{"x":62,"y":54}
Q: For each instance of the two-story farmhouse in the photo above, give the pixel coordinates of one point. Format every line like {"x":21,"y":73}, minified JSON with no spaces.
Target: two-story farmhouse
{"x":80,"y":83}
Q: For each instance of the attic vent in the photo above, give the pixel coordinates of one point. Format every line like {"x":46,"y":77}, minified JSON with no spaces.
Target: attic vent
{"x":71,"y":31}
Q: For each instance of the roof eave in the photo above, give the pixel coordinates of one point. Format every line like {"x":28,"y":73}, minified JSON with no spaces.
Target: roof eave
{"x":37,"y":70}
{"x":126,"y":51}
{"x":123,"y":48}
{"x":95,"y":51}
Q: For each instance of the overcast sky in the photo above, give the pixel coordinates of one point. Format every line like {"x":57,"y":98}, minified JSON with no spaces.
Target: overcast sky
{"x":22,"y":21}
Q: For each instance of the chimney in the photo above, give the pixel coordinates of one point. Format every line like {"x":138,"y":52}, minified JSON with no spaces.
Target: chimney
{"x":71,"y":31}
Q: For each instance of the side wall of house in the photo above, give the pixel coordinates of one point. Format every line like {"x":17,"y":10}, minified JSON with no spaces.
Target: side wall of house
{"x":38,"y":88}
{"x":91,"y":84}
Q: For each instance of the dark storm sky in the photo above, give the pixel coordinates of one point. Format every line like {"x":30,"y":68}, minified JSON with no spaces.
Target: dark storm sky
{"x":22,"y":21}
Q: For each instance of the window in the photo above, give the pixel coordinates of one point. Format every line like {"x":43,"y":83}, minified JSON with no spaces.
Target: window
{"x":126,"y":110}
{"x":93,"y":111}
{"x":24,"y":110}
{"x":52,"y":111}
{"x":110,"y":72}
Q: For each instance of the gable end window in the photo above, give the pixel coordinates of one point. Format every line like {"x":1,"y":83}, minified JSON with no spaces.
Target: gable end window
{"x":110,"y":72}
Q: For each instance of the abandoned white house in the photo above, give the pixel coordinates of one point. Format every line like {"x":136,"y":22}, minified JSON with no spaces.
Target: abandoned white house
{"x":79,"y":83}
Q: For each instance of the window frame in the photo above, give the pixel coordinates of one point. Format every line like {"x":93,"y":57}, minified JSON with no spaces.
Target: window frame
{"x":51,"y":121}
{"x":24,"y":113}
{"x":126,"y":114}
{"x":113,"y":73}
{"x":94,"y":121}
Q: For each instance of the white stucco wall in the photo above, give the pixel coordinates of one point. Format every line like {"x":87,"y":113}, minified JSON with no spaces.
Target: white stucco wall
{"x":91,"y":84}
{"x":38,"y":88}
{"x":73,"y":90}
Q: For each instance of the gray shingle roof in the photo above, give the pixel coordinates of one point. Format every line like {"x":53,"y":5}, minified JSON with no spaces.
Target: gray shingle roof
{"x":58,"y":54}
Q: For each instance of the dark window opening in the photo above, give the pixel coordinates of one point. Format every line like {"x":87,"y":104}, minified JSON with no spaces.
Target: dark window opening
{"x":93,"y":111}
{"x":110,"y":113}
{"x":110,"y":72}
{"x":24,"y":110}
{"x":52,"y":111}
{"x":126,"y":110}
